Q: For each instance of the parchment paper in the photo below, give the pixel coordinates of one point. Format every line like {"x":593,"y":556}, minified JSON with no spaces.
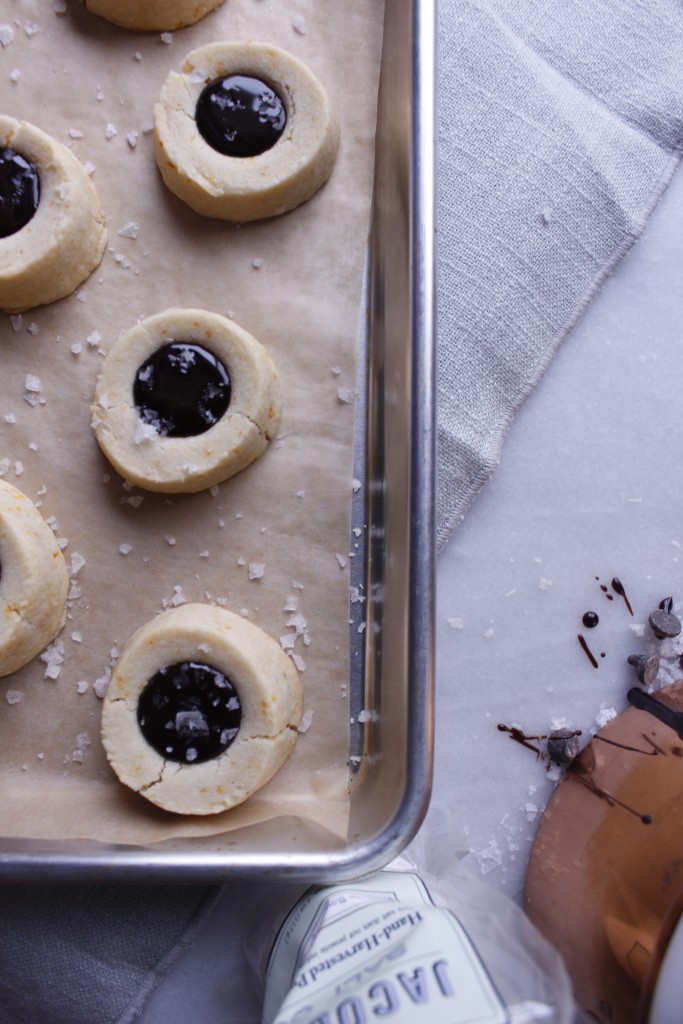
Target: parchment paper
{"x":294,"y":282}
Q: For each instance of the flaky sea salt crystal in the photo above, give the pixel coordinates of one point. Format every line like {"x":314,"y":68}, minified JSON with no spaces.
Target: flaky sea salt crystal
{"x":75,"y":133}
{"x":356,"y":486}
{"x":83,"y":741}
{"x":16,"y":322}
{"x":132,"y":139}
{"x":171,"y":541}
{"x":291,"y":604}
{"x":489,"y":857}
{"x":13,"y":696}
{"x":82,"y":686}
{"x":345,"y":395}
{"x":101,"y":683}
{"x":298,"y":622}
{"x":257,"y":264}
{"x":604,"y":716}
{"x":32,"y":383}
{"x":31,"y":28}
{"x":341,"y":560}
{"x":9,"y":417}
{"x":130,"y":230}
{"x":166,"y":37}
{"x":299,"y":24}
{"x":145,"y":432}
{"x":6,"y":34}
{"x":178,"y":596}
{"x":125,"y":549}
{"x":53,"y":657}
{"x":110,"y":131}
{"x":14,"y":75}
{"x":299,"y":662}
{"x":77,"y":563}
{"x":134,"y":500}
{"x":306,"y":720}
{"x":256,"y":570}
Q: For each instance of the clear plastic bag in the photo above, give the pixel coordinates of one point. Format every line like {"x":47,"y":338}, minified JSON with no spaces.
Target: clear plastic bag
{"x":408,"y":947}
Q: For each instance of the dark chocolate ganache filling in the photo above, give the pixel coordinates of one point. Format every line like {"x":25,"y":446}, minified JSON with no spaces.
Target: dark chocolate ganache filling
{"x":189,"y":712}
{"x":182,"y":390}
{"x":240,"y":115}
{"x":19,"y":191}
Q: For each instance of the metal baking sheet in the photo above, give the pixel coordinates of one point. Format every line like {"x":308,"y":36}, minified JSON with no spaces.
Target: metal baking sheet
{"x":392,"y":657}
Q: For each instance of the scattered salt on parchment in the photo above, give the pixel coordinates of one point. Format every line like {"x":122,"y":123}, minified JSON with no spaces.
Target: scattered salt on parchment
{"x":306,"y":720}
{"x":53,"y":656}
{"x":130,"y":230}
{"x":101,"y":683}
{"x":83,"y":741}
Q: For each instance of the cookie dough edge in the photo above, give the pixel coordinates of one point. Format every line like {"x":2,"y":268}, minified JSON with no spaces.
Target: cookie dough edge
{"x":152,"y":15}
{"x":190,"y":168}
{"x":249,"y":763}
{"x":56,"y":251}
{"x":43,"y":597}
{"x":187,"y":465}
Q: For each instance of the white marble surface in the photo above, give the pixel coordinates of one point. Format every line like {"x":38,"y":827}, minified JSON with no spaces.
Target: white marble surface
{"x":590,"y":484}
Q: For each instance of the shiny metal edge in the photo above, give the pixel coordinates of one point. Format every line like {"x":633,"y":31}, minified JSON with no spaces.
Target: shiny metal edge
{"x":405,"y":167}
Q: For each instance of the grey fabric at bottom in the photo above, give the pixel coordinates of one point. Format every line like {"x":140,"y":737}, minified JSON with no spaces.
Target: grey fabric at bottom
{"x":90,"y":954}
{"x":560,"y":123}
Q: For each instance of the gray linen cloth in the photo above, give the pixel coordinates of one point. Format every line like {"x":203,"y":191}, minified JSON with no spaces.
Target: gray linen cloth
{"x":560,"y":123}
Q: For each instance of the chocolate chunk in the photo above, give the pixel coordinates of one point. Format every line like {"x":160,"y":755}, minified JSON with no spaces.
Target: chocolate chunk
{"x":664,"y":624}
{"x":563,"y":746}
